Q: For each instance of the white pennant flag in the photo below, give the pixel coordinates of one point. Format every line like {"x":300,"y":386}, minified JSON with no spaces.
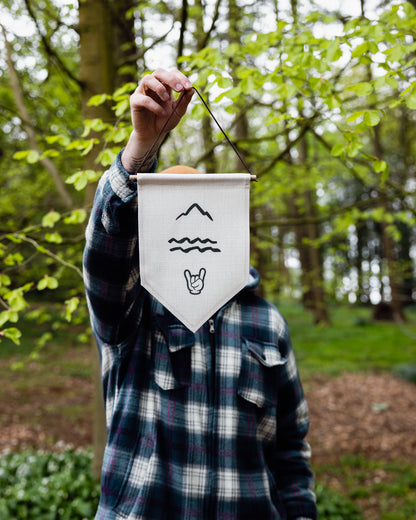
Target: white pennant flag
{"x":193,"y":241}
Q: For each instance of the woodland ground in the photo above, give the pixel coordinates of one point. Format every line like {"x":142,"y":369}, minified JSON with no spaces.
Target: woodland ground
{"x":363,"y":422}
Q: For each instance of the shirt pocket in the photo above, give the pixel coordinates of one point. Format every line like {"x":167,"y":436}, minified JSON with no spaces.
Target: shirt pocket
{"x":260,"y":367}
{"x":172,"y":357}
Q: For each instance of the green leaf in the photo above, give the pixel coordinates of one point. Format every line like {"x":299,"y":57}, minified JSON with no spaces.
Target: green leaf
{"x":354,"y":116}
{"x":122,"y":107}
{"x":338,"y":150}
{"x":50,"y":219}
{"x":372,"y":117}
{"x":50,"y":153}
{"x":33,"y":157}
{"x":62,"y":140}
{"x":224,"y":82}
{"x":360,"y":50}
{"x":53,"y":238}
{"x":361,"y":89}
{"x":106,"y":157}
{"x":42,"y":284}
{"x":14,"y":238}
{"x":13,"y":259}
{"x":81,"y":178}
{"x":334,"y":101}
{"x":13,"y":334}
{"x":96,"y":125}
{"x":20,"y":156}
{"x":16,"y":299}
{"x":354,"y":145}
{"x":127,"y":88}
{"x":89,"y":146}
{"x":334,"y":52}
{"x":77,"y":216}
{"x":4,"y":280}
{"x":379,"y":166}
{"x":52,"y":282}
{"x":119,"y":135}
{"x":71,"y":306}
{"x":47,"y":282}
{"x":392,"y":82}
{"x":98,"y":99}
{"x":411,"y":102}
{"x":11,"y":316}
{"x":30,"y":156}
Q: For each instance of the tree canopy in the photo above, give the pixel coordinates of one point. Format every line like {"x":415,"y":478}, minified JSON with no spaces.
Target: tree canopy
{"x":320,"y":101}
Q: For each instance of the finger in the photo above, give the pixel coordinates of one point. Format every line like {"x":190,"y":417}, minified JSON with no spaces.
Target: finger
{"x":150,"y":85}
{"x":202,"y":273}
{"x":173,"y":79}
{"x":187,"y":276}
{"x":182,"y":104}
{"x":139,"y":102}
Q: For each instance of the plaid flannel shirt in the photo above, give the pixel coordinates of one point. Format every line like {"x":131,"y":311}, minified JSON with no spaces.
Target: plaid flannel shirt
{"x":208,"y":425}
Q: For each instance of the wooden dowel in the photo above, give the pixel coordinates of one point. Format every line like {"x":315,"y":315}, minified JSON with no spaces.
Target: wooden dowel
{"x":134,"y":178}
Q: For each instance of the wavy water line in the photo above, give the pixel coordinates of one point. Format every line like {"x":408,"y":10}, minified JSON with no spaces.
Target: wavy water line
{"x":200,"y":249}
{"x":192,"y":241}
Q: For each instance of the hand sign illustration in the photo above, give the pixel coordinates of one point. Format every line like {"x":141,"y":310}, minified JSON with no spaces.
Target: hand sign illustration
{"x":195,"y":282}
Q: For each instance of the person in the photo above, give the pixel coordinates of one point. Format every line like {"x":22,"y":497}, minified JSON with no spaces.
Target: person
{"x":204,"y":425}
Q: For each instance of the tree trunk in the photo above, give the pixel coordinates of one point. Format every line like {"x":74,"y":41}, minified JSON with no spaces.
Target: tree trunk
{"x":202,"y":38}
{"x":389,"y":247}
{"x":310,"y":255}
{"x":103,"y":30}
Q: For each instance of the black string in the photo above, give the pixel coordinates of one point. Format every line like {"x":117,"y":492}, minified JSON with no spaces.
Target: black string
{"x":243,"y":162}
{"x":155,"y":145}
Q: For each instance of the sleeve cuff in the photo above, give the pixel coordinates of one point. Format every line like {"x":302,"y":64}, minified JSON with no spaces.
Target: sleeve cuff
{"x":119,"y":179}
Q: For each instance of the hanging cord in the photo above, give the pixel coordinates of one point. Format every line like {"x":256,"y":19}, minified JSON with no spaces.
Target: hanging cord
{"x":154,"y":145}
{"x":243,"y":162}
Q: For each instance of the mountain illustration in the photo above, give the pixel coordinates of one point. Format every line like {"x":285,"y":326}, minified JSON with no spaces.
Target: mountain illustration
{"x":191,"y":208}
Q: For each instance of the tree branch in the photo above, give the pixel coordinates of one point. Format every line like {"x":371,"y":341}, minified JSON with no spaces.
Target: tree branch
{"x":48,"y":48}
{"x":28,"y":127}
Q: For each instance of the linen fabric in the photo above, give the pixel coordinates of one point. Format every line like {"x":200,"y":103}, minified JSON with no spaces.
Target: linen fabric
{"x":193,"y":241}
{"x":209,"y":425}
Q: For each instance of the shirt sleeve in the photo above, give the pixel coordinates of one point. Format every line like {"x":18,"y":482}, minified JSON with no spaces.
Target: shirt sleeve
{"x":294,"y":478}
{"x":110,"y":260}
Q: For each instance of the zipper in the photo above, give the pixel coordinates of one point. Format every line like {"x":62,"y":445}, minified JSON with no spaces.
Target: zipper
{"x":212,"y":427}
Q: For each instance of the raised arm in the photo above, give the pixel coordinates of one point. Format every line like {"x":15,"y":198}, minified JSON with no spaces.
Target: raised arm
{"x":111,"y":267}
{"x":151,"y":105}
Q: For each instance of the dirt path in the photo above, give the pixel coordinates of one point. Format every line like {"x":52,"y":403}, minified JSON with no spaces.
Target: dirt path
{"x":373,"y":415}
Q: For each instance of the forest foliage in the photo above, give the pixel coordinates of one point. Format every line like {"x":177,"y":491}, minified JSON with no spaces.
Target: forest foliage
{"x":320,"y":102}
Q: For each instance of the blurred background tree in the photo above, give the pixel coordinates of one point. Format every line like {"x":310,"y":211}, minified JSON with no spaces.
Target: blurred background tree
{"x":321,"y":102}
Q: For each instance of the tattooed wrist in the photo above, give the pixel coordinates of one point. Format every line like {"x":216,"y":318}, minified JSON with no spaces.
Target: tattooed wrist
{"x":139,"y":164}
{"x":143,"y":164}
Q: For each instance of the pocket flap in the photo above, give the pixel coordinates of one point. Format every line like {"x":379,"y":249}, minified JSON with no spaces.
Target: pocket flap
{"x":259,"y":372}
{"x":267,"y":354}
{"x":179,"y":337}
{"x":172,"y":358}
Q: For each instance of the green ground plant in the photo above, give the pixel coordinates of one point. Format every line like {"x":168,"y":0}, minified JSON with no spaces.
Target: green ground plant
{"x":59,"y":486}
